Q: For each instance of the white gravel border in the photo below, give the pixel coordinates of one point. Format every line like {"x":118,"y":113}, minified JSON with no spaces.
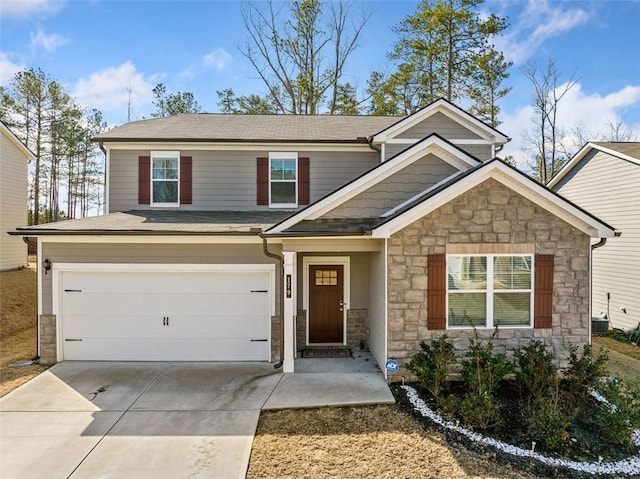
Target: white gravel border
{"x":630,"y":466}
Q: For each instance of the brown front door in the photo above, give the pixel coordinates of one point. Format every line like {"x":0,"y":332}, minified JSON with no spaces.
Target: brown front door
{"x":326,"y":304}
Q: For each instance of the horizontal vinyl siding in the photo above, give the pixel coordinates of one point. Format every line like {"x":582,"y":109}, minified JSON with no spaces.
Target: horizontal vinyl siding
{"x":440,"y":124}
{"x":609,"y":188}
{"x":396,"y":189}
{"x":481,"y":152}
{"x":13,"y":201}
{"x":226,"y":180}
{"x":149,"y":254}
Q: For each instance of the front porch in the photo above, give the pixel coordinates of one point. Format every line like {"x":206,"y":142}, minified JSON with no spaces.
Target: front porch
{"x":335,"y":297}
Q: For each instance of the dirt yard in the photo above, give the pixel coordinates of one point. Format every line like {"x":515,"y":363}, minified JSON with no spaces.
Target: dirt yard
{"x":367,"y":442}
{"x":624,"y":358}
{"x":18,"y":306}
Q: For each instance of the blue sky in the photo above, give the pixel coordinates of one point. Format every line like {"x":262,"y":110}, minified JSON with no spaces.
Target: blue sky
{"x":98,"y":49}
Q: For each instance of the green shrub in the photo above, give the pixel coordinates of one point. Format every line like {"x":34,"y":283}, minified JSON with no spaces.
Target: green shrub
{"x":483,"y":369}
{"x":431,"y":365}
{"x":634,"y":335}
{"x":479,"y":410}
{"x":617,"y":420}
{"x":583,"y":374}
{"x":548,"y":422}
{"x":536,"y":375}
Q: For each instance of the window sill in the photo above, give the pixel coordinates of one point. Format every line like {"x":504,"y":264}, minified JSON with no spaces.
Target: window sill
{"x":164,"y":205}
{"x":291,"y":205}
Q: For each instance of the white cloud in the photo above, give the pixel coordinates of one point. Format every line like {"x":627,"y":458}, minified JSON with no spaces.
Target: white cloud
{"x":538,"y":22}
{"x":218,"y":58}
{"x":108,"y":91}
{"x":26,"y":8}
{"x":7,"y":69}
{"x":40,"y":40}
{"x":591,"y":112}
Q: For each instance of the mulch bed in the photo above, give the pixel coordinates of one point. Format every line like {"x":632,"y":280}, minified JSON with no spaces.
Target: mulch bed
{"x":587,"y":448}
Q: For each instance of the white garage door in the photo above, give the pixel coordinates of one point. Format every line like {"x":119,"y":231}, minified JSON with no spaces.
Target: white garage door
{"x":156,"y":316}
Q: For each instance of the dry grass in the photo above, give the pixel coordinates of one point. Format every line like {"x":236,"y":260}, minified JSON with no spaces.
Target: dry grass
{"x":17,"y":328}
{"x":368,"y":442}
{"x":624,"y":358}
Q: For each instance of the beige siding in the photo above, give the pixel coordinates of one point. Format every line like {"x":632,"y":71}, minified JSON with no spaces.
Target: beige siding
{"x":396,"y":189}
{"x":441,"y":124}
{"x":148,"y":254}
{"x":226,"y":180}
{"x":609,"y":188}
{"x":13,"y":204}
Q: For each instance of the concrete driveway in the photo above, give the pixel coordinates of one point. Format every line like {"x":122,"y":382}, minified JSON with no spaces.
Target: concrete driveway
{"x":155,"y":420}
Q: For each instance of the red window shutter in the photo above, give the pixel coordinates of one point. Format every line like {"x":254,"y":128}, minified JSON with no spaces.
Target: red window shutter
{"x":303,"y":181}
{"x":543,"y":291}
{"x":263,"y":181}
{"x":436,"y":291}
{"x":144,"y":180}
{"x":185,"y":180}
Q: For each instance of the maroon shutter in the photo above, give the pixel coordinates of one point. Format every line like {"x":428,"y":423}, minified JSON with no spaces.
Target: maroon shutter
{"x":543,"y":292}
{"x":263,"y":181}
{"x":185,"y":180}
{"x":436,"y":291}
{"x":144,"y":180}
{"x":303,"y":181}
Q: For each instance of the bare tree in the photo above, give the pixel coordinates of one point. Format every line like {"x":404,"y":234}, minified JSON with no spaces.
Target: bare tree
{"x":546,"y":136}
{"x":300,"y":54}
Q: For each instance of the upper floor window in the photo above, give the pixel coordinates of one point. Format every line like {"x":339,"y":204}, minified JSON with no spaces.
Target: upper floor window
{"x":283,"y":176}
{"x":489,"y":290}
{"x":165,"y":178}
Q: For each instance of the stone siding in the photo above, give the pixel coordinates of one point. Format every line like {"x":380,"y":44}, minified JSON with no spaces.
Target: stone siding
{"x":48,"y":343}
{"x":501,"y":220}
{"x":275,"y":339}
{"x":357,"y":328}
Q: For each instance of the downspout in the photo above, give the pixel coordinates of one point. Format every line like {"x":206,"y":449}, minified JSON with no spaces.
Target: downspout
{"x":280,"y":260}
{"x":372,"y":146}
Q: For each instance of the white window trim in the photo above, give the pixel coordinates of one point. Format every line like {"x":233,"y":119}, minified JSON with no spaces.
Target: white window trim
{"x":164,"y":154}
{"x":489,"y":292}
{"x":284,"y":155}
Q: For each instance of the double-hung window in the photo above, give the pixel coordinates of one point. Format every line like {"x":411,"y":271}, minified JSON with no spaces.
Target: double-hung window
{"x":489,"y":291}
{"x":165,"y":178}
{"x":283,"y":176}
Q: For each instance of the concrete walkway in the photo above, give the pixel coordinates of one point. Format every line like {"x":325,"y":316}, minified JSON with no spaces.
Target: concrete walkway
{"x":157,"y":420}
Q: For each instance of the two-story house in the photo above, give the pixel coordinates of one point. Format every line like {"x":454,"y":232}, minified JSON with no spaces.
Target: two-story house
{"x":604,"y":177}
{"x":253,"y":237}
{"x":14,"y":161}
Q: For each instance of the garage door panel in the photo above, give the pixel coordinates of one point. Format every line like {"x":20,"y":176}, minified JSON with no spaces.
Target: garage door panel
{"x":210,"y":315}
{"x":156,"y":350}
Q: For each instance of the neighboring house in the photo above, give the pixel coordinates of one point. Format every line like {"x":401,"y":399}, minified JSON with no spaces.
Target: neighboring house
{"x":227,"y":234}
{"x":14,"y":160}
{"x":604,"y":178}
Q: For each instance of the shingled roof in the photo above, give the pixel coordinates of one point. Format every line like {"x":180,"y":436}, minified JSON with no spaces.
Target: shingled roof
{"x":214,"y":127}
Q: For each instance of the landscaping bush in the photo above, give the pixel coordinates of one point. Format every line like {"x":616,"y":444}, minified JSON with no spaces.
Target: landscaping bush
{"x":583,"y":375}
{"x":483,"y":369}
{"x":480,"y":411}
{"x":431,"y":365}
{"x":536,"y":375}
{"x":617,"y":419}
{"x":547,"y":423}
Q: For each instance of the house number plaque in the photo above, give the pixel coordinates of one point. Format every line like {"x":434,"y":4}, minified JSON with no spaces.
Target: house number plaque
{"x":288,"y":285}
